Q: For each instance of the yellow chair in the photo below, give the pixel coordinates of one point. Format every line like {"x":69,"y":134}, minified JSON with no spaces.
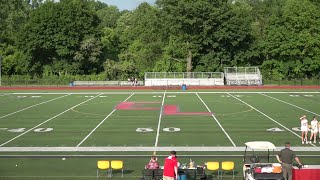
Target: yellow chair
{"x":116,"y":165}
{"x":227,"y":166}
{"x":103,"y":165}
{"x":213,"y":166}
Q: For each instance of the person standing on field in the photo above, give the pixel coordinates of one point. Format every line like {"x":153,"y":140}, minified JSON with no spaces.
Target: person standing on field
{"x":170,"y":171}
{"x":286,"y":157}
{"x":304,"y":129}
{"x":314,"y":130}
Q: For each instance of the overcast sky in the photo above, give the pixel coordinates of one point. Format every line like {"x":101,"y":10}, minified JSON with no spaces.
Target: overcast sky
{"x":127,"y":4}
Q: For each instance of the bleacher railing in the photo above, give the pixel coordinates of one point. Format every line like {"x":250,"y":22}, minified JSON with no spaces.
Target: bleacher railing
{"x":243,"y":76}
{"x":184,"y":78}
{"x":182,"y":75}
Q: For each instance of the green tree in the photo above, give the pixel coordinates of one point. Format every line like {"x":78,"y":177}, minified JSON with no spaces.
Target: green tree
{"x":173,"y":58}
{"x":35,"y":3}
{"x":109,"y":16}
{"x":88,"y":55}
{"x":110,"y":44}
{"x":56,"y":31}
{"x":119,"y":70}
{"x":13,"y":60}
{"x":294,"y":39}
{"x":210,"y":33}
{"x":273,"y":70}
{"x":13,"y":15}
{"x":140,"y":40}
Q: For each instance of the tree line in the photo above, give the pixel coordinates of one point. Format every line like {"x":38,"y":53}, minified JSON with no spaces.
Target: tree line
{"x":87,"y":37}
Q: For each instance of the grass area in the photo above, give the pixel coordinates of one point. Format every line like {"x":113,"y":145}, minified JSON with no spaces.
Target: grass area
{"x":85,"y":168}
{"x":140,"y":120}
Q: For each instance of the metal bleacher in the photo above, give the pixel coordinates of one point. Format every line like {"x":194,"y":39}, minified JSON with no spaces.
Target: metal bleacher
{"x":184,"y":78}
{"x":242,"y":76}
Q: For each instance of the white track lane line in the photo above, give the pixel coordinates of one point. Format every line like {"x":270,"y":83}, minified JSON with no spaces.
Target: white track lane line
{"x":33,"y":106}
{"x":290,"y":104}
{"x":159,"y":121}
{"x":48,"y":120}
{"x":214,"y":117}
{"x":84,"y":139}
{"x":267,"y":117}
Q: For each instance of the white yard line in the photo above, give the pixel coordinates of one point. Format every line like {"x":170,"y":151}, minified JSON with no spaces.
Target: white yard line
{"x":146,"y":149}
{"x":84,"y":139}
{"x":159,"y":121}
{"x":47,"y":120}
{"x":268,"y":117}
{"x":214,"y":117}
{"x":33,"y":106}
{"x":186,"y":92}
{"x":290,"y":104}
{"x":129,"y":155}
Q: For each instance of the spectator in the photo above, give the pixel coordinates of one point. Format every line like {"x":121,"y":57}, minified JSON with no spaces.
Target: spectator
{"x":285,"y":157}
{"x":135,"y":81}
{"x":153,"y":164}
{"x":170,"y":170}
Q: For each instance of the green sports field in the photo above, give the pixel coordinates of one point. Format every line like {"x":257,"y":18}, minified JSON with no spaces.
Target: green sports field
{"x":38,"y":129}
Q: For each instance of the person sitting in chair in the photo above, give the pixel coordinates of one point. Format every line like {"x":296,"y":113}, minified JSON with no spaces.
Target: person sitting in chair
{"x":153,"y":164}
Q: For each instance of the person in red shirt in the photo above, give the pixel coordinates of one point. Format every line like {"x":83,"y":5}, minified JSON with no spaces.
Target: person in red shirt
{"x":170,"y":171}
{"x":153,"y":164}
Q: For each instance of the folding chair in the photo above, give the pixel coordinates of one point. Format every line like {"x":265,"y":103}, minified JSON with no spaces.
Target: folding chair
{"x":227,"y":166}
{"x":103,"y":165}
{"x":116,"y":165}
{"x":200,"y":172}
{"x":213,"y":166}
{"x":147,"y":174}
{"x":157,"y":173}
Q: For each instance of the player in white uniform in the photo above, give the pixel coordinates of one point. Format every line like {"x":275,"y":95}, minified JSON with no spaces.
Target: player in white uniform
{"x":314,"y":130}
{"x":304,"y":129}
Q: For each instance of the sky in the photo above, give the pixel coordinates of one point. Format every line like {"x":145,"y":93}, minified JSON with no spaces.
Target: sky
{"x":127,"y":4}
